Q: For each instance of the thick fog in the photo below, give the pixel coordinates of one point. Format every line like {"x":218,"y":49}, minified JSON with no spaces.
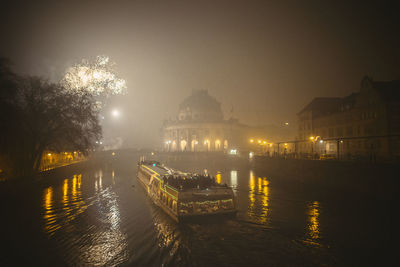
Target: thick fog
{"x":263,"y":61}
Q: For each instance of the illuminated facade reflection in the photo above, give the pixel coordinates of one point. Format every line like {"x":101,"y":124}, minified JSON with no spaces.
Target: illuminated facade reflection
{"x":252,"y":199}
{"x":258,"y":208}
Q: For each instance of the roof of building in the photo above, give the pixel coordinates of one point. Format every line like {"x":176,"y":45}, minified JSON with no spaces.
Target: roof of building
{"x":202,"y":101}
{"x":323,"y":105}
{"x":200,"y":106}
{"x":389,"y":91}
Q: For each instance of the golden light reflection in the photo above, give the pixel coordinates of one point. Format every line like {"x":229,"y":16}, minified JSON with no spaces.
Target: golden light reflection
{"x":48,"y":198}
{"x":258,"y":198}
{"x":74,"y":181}
{"x":49,"y":216}
{"x":79,"y":181}
{"x":313,"y":220}
{"x":265,"y":200}
{"x":218,"y":177}
{"x":65,"y":192}
{"x":166,"y":234}
{"x":252,"y":186}
{"x":71,"y":201}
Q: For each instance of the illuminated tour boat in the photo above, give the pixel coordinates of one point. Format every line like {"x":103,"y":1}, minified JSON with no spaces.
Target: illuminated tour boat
{"x":185,"y":195}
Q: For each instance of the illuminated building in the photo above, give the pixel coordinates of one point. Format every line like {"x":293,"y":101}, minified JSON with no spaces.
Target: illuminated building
{"x":200,"y":126}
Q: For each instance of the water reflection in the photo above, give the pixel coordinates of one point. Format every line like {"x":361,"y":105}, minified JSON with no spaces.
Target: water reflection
{"x":108,"y":246}
{"x":49,"y":214}
{"x":258,"y":208}
{"x":98,"y":184}
{"x":252,"y":199}
{"x":166,"y":234}
{"x":234,"y":179}
{"x":313,"y":221}
{"x":71,"y":203}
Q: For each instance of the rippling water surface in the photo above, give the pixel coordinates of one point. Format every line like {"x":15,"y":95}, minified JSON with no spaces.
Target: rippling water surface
{"x":100,"y":216}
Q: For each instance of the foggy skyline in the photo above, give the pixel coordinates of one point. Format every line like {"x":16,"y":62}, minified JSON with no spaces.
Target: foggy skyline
{"x":266,"y":60}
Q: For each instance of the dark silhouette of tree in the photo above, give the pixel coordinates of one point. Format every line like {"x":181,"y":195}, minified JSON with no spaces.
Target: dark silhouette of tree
{"x":36,"y":116}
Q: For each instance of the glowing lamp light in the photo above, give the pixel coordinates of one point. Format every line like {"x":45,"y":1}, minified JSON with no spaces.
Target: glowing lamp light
{"x":321,"y":141}
{"x":49,"y":154}
{"x":259,"y":141}
{"x":115,"y":113}
{"x":251,"y":140}
{"x":311,"y":138}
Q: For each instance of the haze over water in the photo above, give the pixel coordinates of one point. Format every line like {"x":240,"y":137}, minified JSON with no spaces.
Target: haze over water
{"x":102,"y":216}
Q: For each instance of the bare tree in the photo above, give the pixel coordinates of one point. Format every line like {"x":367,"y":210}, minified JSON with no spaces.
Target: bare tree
{"x":39,"y":116}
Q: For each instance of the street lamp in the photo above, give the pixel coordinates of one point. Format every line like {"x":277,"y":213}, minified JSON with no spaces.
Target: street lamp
{"x":115,"y":113}
{"x":313,"y":140}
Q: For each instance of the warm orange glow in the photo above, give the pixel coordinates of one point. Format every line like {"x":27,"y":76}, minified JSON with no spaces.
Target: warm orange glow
{"x":313,"y":225}
{"x":65,"y":187}
{"x":251,"y":140}
{"x":265,"y":200}
{"x":218,"y":177}
{"x":74,"y":182}
{"x":259,"y":141}
{"x":252,"y":185}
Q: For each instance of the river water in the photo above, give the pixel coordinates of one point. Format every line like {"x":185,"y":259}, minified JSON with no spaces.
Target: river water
{"x":101,"y":216}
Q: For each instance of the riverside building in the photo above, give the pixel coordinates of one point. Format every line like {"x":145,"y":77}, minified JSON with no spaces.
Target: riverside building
{"x":200,"y":126}
{"x":365,"y":124}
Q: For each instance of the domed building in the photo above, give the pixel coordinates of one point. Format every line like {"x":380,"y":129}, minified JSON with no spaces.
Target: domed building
{"x":200,"y":126}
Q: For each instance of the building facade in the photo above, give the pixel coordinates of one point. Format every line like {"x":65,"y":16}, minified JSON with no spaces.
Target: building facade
{"x":200,"y":126}
{"x":365,"y":124}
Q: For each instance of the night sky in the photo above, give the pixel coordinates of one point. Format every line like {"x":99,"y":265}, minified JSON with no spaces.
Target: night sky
{"x":265,"y":59}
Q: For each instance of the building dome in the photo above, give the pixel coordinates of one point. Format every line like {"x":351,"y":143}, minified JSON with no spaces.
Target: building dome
{"x":200,"y":106}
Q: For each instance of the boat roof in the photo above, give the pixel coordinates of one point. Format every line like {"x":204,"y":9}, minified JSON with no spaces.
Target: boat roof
{"x":156,"y":168}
